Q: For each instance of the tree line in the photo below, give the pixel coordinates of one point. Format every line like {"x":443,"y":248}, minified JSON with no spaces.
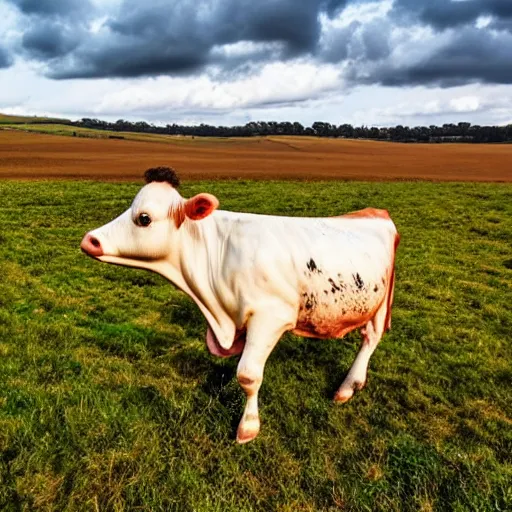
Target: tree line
{"x":460,"y":132}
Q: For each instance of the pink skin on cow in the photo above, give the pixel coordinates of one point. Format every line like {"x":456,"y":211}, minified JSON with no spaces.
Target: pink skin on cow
{"x":255,"y":277}
{"x":91,"y":246}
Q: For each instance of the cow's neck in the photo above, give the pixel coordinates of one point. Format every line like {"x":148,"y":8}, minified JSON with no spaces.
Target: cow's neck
{"x":192,"y":271}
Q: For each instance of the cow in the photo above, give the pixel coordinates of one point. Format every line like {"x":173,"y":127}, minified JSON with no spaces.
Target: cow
{"x":255,"y":277}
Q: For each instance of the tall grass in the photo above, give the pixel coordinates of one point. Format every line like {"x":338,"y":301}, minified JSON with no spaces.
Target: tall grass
{"x":109,"y":399}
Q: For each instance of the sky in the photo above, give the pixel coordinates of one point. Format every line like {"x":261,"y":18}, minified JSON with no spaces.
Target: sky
{"x":363,"y":62}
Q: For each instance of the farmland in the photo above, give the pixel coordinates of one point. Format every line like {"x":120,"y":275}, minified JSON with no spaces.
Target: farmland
{"x":57,"y":154}
{"x":109,"y":398}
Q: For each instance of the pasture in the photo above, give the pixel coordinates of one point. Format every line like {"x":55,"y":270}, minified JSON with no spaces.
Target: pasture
{"x":109,"y":399}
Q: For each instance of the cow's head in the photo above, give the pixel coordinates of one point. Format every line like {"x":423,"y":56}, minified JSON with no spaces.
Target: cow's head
{"x":150,"y":229}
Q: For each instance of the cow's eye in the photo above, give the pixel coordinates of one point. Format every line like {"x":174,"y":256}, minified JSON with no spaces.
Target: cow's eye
{"x":144,"y":220}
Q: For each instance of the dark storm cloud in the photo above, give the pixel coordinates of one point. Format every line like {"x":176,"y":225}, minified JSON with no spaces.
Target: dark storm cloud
{"x":5,"y":59}
{"x":504,"y":24}
{"x":332,"y":7}
{"x":375,"y":38}
{"x":472,"y":56}
{"x":52,"y":28}
{"x":53,"y":8}
{"x":176,"y":37}
{"x":48,"y":40}
{"x":185,"y":37}
{"x":442,"y":14}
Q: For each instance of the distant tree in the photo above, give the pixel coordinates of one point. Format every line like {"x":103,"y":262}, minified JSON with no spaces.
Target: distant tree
{"x":460,"y":132}
{"x":346,"y":130}
{"x":298,"y":129}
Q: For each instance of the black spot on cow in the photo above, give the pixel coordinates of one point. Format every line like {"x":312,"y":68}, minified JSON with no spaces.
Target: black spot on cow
{"x":334,"y":287}
{"x":311,"y":301}
{"x":312,"y":267}
{"x":359,"y":282}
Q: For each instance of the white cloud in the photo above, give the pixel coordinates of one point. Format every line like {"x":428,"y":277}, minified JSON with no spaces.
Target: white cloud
{"x":465,"y":104}
{"x":319,"y":93}
{"x":275,"y":83}
{"x":478,"y":104}
{"x":483,"y":21}
{"x":244,"y":49}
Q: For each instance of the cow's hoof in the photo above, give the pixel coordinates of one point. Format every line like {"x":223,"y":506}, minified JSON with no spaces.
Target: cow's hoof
{"x":248,"y":429}
{"x":343,"y":395}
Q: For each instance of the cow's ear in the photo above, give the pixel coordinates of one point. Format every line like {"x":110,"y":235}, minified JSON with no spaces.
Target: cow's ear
{"x":200,"y":206}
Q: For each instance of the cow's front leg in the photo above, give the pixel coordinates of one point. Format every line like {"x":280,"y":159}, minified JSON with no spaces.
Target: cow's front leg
{"x":263,"y":332}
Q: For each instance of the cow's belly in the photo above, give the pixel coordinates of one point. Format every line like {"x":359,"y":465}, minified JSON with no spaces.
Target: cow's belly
{"x":333,"y":311}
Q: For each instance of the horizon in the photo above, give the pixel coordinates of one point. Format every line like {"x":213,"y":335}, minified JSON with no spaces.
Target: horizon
{"x":53,"y":119}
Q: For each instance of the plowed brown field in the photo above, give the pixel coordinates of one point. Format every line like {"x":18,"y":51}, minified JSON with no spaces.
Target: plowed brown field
{"x":36,"y":156}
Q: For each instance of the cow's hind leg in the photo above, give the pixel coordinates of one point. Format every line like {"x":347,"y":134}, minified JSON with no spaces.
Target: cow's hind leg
{"x":356,"y":378}
{"x":262,"y":335}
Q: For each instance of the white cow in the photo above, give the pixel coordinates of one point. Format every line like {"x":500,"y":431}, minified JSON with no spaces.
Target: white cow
{"x":254,"y":277}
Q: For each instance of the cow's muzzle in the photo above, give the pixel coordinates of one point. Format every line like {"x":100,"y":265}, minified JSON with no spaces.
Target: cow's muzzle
{"x":91,"y":246}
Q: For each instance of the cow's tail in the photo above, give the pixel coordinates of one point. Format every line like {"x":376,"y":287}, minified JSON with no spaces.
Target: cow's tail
{"x":391,"y":287}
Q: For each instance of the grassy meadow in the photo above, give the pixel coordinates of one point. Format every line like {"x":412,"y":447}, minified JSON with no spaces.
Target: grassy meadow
{"x":6,"y":119}
{"x":109,"y":399}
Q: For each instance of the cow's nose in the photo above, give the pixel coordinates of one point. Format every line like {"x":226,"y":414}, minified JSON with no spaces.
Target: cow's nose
{"x":91,"y":246}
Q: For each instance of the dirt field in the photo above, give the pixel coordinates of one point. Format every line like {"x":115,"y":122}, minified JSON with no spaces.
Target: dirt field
{"x":36,"y":156}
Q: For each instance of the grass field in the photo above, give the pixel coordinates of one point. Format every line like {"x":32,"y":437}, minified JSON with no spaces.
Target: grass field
{"x":26,"y":155}
{"x":109,"y":399}
{"x":6,"y":119}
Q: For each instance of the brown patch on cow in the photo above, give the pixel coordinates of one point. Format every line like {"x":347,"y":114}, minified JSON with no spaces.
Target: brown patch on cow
{"x":330,"y":329}
{"x":245,"y":381}
{"x":177,"y":213}
{"x":368,"y":213}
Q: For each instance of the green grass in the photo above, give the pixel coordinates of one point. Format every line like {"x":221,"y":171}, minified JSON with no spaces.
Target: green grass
{"x":109,"y":399}
{"x":8,"y":119}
